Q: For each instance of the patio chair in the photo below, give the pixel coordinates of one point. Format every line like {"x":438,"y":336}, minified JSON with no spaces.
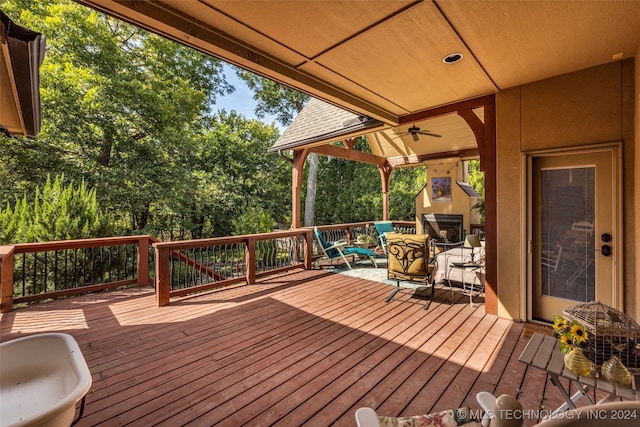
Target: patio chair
{"x":337,"y":250}
{"x":367,"y":417}
{"x":382,"y":228}
{"x":506,"y":411}
{"x":408,"y":260}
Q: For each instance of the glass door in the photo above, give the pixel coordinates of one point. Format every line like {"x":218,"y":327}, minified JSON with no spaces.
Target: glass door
{"x":574,"y":213}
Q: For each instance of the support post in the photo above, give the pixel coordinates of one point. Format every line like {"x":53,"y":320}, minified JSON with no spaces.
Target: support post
{"x":163,"y":278}
{"x":385,"y":177}
{"x":490,"y":203}
{"x":143,"y":261}
{"x":250,"y":257}
{"x":6,"y":278}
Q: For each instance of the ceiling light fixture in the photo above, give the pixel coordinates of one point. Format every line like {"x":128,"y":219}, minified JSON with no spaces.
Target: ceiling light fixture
{"x":452,"y":58}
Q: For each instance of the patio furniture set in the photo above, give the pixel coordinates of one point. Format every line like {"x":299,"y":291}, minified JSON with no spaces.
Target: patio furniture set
{"x":417,"y":259}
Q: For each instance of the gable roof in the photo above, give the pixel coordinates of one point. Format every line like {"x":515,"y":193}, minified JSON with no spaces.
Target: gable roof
{"x":320,"y":122}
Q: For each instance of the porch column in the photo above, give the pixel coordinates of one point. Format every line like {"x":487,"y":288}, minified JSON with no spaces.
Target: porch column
{"x":385,"y":177}
{"x":485,"y":134}
{"x":491,"y":211}
{"x":299,"y":158}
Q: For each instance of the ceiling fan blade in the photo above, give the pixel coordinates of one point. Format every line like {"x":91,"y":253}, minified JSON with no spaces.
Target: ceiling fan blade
{"x":415,"y":135}
{"x":427,"y":133}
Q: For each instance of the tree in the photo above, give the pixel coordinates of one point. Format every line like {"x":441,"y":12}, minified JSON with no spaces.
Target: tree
{"x":350,"y":191}
{"x":55,"y":212}
{"x":233,"y":173}
{"x":120,"y":108}
{"x":476,"y":180}
{"x":284,"y":103}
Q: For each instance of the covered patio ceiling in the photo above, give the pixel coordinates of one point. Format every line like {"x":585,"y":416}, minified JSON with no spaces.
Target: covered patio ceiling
{"x":320,"y":124}
{"x":384,"y":59}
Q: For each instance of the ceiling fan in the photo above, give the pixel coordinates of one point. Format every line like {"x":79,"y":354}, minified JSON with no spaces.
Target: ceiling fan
{"x":414,"y":131}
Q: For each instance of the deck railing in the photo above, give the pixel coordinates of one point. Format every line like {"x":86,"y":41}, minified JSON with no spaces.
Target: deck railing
{"x":37,"y":271}
{"x":190,"y":266}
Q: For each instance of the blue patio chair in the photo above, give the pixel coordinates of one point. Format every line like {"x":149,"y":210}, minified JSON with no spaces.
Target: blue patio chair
{"x":382,"y":228}
{"x":336,"y":250}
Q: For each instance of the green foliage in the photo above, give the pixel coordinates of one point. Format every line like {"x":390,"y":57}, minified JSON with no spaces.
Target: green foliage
{"x":405,"y":184}
{"x":122,"y":109}
{"x":130,"y":115}
{"x":351,"y":191}
{"x":55,"y":212}
{"x":273,"y":98}
{"x":253,"y":220}
{"x":476,"y":180}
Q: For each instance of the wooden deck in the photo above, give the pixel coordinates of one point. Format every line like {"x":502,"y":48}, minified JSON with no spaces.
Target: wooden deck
{"x":300,"y":348}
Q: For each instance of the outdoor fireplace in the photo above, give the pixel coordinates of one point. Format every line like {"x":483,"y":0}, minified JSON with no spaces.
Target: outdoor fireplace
{"x":443,"y":228}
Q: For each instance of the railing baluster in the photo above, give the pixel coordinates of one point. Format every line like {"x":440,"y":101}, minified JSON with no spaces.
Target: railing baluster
{"x":35,"y":273}
{"x":24,"y":274}
{"x":186,"y":270}
{"x":55,"y":271}
{"x":44,"y":270}
{"x":66,"y":262}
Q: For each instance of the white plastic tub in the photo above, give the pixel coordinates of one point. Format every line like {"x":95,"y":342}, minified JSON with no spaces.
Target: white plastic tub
{"x":42,"y":377}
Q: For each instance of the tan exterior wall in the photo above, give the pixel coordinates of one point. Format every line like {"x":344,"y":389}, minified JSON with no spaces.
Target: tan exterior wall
{"x":583,"y":108}
{"x":460,"y":202}
{"x":635,"y":260}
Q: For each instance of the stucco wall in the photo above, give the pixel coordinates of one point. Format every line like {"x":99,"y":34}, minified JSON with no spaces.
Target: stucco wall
{"x":636,"y":194}
{"x":587,"y":107}
{"x":460,"y":202}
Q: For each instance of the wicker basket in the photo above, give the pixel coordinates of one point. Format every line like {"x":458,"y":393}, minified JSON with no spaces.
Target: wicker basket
{"x":611,"y":333}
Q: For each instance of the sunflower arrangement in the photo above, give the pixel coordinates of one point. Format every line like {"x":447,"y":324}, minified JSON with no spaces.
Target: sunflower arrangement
{"x":571,"y":334}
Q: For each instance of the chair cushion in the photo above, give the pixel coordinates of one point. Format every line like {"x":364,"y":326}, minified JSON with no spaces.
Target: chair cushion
{"x":383,"y":227}
{"x":351,"y":250}
{"x":449,"y":418}
{"x":408,"y":255}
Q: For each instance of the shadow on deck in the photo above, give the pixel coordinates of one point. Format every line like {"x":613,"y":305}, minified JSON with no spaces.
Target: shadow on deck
{"x":304,"y":347}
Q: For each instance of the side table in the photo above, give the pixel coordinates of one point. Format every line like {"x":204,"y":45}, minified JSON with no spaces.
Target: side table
{"x":464,"y":267}
{"x":543,"y":352}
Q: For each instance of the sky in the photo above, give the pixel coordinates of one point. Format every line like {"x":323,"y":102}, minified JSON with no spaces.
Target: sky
{"x":241,"y":100}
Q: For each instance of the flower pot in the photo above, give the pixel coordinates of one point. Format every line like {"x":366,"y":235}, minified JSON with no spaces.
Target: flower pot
{"x":577,"y":362}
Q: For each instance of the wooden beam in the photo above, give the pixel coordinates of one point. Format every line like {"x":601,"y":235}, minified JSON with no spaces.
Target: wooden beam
{"x":350,"y":144}
{"x":343,"y":153}
{"x":478,"y":129}
{"x":416,"y":159}
{"x":448,"y":109}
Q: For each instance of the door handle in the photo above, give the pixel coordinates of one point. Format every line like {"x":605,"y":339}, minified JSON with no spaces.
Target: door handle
{"x":605,"y":250}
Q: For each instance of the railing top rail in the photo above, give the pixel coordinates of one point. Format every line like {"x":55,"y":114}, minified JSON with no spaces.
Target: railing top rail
{"x":76,"y":244}
{"x":215,"y":241}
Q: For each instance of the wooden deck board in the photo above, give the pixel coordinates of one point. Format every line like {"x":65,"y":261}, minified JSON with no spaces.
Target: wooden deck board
{"x":297,"y":348}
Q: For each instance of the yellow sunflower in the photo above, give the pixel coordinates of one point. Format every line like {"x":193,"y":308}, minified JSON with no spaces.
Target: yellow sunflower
{"x":580,"y":336}
{"x":567,"y":340}
{"x":560,"y":324}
